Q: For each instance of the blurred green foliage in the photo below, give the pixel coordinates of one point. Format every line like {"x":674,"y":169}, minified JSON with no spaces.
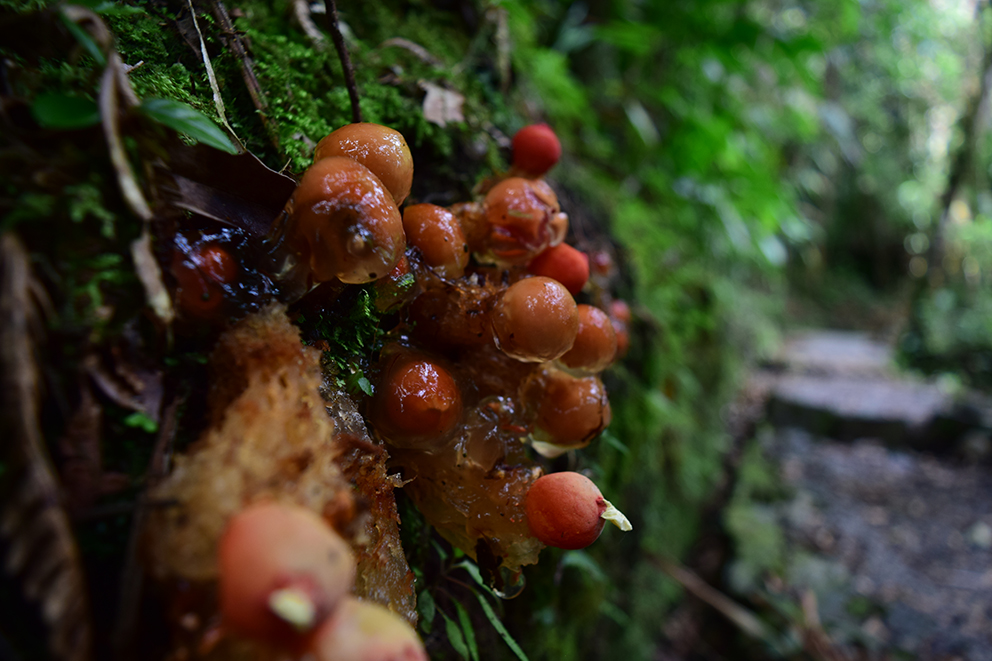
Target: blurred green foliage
{"x":950,"y":328}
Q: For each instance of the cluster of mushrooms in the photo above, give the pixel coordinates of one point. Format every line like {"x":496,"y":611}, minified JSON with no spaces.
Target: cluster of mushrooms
{"x":492,"y":360}
{"x":493,"y":354}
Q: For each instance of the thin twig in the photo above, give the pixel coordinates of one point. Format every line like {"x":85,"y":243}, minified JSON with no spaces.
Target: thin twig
{"x":422,"y":53}
{"x":115,"y":85}
{"x":109,"y":115}
{"x":301,"y":9}
{"x":503,"y":48}
{"x":349,"y":71}
{"x":745,"y":620}
{"x":233,"y":40}
{"x":211,"y":76}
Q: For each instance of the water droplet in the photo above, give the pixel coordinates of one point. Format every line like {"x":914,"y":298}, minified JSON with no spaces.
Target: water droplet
{"x":513,"y":583}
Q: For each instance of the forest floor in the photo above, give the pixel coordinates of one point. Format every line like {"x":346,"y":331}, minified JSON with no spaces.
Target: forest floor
{"x":886,"y":514}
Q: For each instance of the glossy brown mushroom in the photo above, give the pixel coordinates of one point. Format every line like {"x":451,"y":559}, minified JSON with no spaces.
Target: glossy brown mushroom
{"x":565,"y":412}
{"x":417,"y":400}
{"x":379,"y":148}
{"x":595,"y":344}
{"x":200,"y":278}
{"x":342,"y":223}
{"x":535,"y":320}
{"x":521,"y":218}
{"x":438,"y":234}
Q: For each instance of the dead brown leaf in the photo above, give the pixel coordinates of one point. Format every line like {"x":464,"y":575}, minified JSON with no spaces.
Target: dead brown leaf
{"x":442,"y":105}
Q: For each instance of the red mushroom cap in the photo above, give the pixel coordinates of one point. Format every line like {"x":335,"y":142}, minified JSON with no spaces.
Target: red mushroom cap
{"x":282,"y":571}
{"x":366,"y":631}
{"x":565,"y":510}
{"x":536,"y":149}
{"x":565,"y":264}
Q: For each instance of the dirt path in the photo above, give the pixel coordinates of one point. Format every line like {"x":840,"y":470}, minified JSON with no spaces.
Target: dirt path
{"x":895,"y":543}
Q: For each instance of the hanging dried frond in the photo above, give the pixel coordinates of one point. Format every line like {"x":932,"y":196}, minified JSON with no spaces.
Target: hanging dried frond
{"x":42,"y":551}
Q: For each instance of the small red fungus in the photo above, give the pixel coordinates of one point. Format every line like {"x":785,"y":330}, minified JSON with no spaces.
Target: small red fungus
{"x":438,"y":234}
{"x":567,"y":510}
{"x":283,"y":570}
{"x":365,"y":631}
{"x":379,"y":148}
{"x":343,"y":223}
{"x":200,"y":275}
{"x":595,"y":344}
{"x":535,"y":320}
{"x":601,"y":262}
{"x":563,"y":263}
{"x":536,"y":149}
{"x":620,"y":316}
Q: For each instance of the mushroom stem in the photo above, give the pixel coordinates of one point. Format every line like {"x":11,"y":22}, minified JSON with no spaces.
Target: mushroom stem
{"x":294,"y":606}
{"x":616,"y":517}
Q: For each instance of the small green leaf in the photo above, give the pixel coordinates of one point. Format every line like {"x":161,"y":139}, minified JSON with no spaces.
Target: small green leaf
{"x":427,"y":610}
{"x":61,"y":111}
{"x":141,"y":421}
{"x":500,"y":629}
{"x":455,"y":636}
{"x":584,"y":561}
{"x":614,"y":442}
{"x":184,"y":119}
{"x":440,"y":550}
{"x":473,"y":571}
{"x":613,"y":612}
{"x":357,"y":382}
{"x":466,"y":622}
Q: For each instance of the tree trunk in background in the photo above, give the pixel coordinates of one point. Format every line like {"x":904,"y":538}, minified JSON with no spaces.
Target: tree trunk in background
{"x":972,"y":126}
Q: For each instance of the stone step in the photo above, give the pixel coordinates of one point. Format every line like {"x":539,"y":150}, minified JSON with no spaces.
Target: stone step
{"x":841,"y":385}
{"x":829,"y":351}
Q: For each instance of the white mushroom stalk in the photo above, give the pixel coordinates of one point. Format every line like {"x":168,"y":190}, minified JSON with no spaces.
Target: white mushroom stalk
{"x":616,"y":517}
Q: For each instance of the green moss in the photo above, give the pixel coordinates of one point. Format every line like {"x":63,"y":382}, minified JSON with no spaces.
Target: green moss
{"x":85,"y":201}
